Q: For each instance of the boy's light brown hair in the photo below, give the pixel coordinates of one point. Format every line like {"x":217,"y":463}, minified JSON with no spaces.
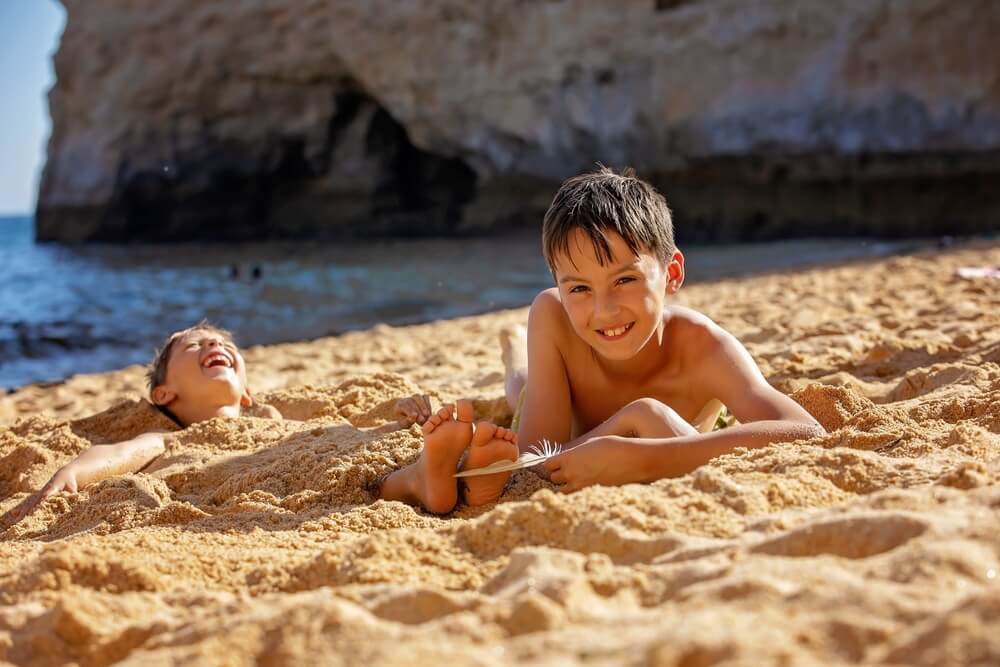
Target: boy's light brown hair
{"x":156,"y":374}
{"x":603,"y":201}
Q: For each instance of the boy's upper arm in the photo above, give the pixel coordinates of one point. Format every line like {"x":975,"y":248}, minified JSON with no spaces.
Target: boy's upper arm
{"x":546,"y":413}
{"x":144,"y":448}
{"x":733,"y":377}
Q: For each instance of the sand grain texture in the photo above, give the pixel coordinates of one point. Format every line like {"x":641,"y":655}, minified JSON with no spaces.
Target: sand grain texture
{"x":253,"y":539}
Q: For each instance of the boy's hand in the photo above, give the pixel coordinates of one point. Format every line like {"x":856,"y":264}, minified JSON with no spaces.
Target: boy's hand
{"x":64,"y":480}
{"x":414,"y":409}
{"x":609,"y":459}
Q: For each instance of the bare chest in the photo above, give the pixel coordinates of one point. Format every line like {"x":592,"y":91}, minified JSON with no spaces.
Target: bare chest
{"x":597,"y":396}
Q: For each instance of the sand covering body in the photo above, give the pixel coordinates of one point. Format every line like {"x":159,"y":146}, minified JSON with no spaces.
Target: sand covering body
{"x":256,"y":540}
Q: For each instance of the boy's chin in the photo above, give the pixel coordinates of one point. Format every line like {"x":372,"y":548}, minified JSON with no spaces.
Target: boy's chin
{"x":226,"y":387}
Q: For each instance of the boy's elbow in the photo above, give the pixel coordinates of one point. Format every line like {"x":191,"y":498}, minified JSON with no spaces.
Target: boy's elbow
{"x":812,"y":429}
{"x":148,"y":445}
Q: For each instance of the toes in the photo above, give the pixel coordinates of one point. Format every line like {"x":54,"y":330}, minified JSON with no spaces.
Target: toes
{"x":465,"y":412}
{"x":485,"y":431}
{"x":434,"y":421}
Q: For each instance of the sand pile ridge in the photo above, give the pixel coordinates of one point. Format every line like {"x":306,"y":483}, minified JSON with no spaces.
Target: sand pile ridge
{"x":256,"y":539}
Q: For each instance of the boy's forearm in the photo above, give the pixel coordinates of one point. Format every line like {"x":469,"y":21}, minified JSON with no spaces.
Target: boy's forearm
{"x":673,"y":457}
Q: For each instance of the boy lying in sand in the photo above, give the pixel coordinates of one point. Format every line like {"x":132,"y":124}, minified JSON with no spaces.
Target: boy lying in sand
{"x":629,"y":384}
{"x":197,"y":375}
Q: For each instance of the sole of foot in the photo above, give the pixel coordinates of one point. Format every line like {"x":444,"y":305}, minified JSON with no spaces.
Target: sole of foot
{"x":446,"y":437}
{"x":490,"y":443}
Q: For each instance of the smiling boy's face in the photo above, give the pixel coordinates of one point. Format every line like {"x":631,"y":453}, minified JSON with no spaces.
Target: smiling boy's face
{"x":204,"y":366}
{"x":616,"y":307}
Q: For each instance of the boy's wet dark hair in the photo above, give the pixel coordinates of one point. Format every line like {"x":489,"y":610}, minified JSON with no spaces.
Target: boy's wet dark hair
{"x":603,"y":201}
{"x":156,"y":374}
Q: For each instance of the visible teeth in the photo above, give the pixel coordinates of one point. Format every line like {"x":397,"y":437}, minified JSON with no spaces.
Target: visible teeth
{"x":615,"y":332}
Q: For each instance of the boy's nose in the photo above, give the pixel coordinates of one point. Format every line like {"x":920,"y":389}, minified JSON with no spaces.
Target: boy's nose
{"x":605,"y":306}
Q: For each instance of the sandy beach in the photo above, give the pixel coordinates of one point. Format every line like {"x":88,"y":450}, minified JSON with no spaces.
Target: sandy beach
{"x":257,"y":541}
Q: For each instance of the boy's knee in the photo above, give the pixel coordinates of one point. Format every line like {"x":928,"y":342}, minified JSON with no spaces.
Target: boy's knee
{"x":646,"y":412}
{"x":648,"y":407}
{"x":648,"y":418}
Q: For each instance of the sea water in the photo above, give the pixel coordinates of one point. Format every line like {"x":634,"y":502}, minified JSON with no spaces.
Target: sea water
{"x":67,"y":309}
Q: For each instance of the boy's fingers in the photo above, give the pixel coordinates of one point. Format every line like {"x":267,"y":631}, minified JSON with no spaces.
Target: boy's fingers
{"x":409,"y":409}
{"x":558,"y":477}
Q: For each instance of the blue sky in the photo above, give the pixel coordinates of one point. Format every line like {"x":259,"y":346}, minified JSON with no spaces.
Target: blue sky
{"x":29,"y":34}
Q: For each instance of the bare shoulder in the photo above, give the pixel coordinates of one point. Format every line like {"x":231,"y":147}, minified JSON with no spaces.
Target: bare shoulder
{"x":547,"y":314}
{"x":262,"y":411}
{"x":547,"y":303}
{"x":695,"y":333}
{"x":271,"y":412}
{"x":712,"y":356}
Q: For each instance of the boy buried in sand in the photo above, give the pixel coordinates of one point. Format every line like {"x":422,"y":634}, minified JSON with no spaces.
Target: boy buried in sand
{"x":197,"y":375}
{"x":629,"y":384}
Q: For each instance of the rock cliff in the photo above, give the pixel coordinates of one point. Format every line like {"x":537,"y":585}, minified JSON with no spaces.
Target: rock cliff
{"x":331,"y":118}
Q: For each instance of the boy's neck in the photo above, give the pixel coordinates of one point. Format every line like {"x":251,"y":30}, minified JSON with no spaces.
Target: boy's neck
{"x":192,"y":414}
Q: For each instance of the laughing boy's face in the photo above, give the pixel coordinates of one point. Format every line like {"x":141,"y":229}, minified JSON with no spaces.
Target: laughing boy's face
{"x":204,"y":366}
{"x":616,"y":307}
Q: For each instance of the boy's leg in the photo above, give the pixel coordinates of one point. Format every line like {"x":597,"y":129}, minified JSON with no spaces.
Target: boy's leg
{"x":430,"y":481}
{"x":643,"y":418}
{"x":514,"y":352}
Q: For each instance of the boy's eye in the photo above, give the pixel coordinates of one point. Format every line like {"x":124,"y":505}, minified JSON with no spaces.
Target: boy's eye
{"x":625,"y":279}
{"x":577,"y":289}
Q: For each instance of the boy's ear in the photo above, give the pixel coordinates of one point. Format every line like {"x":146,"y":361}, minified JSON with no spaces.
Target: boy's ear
{"x":163,"y":396}
{"x":675,"y":272}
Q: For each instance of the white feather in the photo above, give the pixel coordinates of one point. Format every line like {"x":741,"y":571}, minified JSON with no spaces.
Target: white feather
{"x":538,"y":454}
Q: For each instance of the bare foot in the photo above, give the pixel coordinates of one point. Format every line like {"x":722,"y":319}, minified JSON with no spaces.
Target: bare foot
{"x":430,"y":480}
{"x":514,"y":353}
{"x":490,"y":443}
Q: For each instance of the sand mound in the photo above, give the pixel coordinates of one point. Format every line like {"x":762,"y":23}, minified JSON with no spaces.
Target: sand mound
{"x":258,"y":540}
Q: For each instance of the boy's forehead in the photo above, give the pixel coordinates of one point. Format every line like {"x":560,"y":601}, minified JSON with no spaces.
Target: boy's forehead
{"x":581,"y":250}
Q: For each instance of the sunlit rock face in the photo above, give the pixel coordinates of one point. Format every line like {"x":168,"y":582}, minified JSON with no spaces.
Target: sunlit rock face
{"x":333,"y":118}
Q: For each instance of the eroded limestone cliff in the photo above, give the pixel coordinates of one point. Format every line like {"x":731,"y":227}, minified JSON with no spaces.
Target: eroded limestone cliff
{"x":332,"y":118}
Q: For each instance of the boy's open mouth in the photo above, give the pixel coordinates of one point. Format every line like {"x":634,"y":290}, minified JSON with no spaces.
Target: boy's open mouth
{"x":614,"y":333}
{"x":217,"y":359}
